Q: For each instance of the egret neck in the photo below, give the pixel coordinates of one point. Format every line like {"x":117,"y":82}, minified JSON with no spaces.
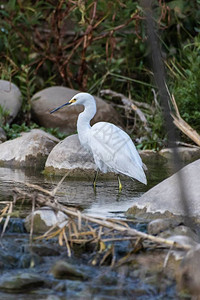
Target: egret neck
{"x":83,"y":123}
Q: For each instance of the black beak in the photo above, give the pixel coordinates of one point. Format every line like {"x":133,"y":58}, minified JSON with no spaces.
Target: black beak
{"x":51,"y":112}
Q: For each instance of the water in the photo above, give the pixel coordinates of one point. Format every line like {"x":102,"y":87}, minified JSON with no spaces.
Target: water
{"x":103,"y":282}
{"x":106,"y":202}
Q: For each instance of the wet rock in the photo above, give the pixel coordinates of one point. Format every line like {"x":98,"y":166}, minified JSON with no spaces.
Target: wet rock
{"x":158,"y":225}
{"x":185,"y":153}
{"x":10,"y":99}
{"x":46,"y":100}
{"x":7,"y":260}
{"x":188,"y":274}
{"x":183,"y":240}
{"x":165,"y":198}
{"x":20,"y":282}
{"x":69,"y":155}
{"x":44,"y":219}
{"x":3,"y":136}
{"x":64,"y":270}
{"x":30,"y":149}
{"x":29,"y":260}
{"x":43,"y":249}
{"x":178,"y":231}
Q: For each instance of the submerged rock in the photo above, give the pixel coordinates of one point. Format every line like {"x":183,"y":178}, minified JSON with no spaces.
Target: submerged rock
{"x":165,"y":199}
{"x":65,"y":119}
{"x":20,"y":282}
{"x":69,"y":155}
{"x":64,"y":270}
{"x":29,"y":150}
{"x":188,"y":274}
{"x":10,"y":99}
{"x":44,"y":219}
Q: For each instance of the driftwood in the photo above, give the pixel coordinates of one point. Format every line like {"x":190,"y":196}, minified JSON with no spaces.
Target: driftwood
{"x":131,"y":104}
{"x":182,"y":125}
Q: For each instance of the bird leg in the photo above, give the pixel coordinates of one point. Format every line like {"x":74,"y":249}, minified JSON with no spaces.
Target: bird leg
{"x":95,"y":179}
{"x":119,"y":183}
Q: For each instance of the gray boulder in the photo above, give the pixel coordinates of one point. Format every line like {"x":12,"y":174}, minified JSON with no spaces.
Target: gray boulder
{"x":10,"y":99}
{"x":165,"y":199}
{"x":29,"y":150}
{"x":65,"y":119}
{"x":69,"y":155}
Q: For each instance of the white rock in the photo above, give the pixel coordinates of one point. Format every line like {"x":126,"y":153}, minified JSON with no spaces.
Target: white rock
{"x":30,"y":149}
{"x":10,"y":98}
{"x":69,"y":155}
{"x":167,"y":196}
{"x":44,"y":219}
{"x":65,"y":119}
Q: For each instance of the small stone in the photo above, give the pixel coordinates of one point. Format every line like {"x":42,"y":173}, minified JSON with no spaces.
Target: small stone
{"x":178,"y":231}
{"x":20,"y":282}
{"x":29,"y":261}
{"x":188,"y":274}
{"x":44,"y":219}
{"x":64,"y":270}
{"x":183,"y":240}
{"x":158,"y":225}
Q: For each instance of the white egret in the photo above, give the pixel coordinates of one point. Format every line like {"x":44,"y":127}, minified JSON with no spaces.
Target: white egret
{"x":112,"y":148}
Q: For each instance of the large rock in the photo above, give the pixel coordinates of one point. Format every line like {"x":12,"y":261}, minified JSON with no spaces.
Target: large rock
{"x":29,"y":150}
{"x":165,"y":199}
{"x":10,"y":99}
{"x":69,"y":155}
{"x":65,"y":119}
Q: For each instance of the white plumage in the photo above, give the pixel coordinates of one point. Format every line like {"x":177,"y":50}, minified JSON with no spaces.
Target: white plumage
{"x":112,"y":148}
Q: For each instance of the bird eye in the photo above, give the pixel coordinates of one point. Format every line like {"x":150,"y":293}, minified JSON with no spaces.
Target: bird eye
{"x":72,"y":100}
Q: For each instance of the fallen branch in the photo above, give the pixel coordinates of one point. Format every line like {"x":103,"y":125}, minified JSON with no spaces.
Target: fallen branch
{"x":131,"y":104}
{"x":111,"y":224}
{"x":181,"y":124}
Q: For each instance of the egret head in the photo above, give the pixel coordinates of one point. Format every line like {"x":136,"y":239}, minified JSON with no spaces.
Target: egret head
{"x":79,"y":99}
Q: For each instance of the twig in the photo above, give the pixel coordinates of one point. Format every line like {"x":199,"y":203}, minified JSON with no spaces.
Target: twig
{"x":182,"y":125}
{"x":129,"y":103}
{"x":105,"y":223}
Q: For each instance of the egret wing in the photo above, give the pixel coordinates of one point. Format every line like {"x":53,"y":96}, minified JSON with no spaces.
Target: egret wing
{"x":113,"y":147}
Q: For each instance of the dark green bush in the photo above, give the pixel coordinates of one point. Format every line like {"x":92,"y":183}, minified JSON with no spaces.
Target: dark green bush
{"x":93,"y":45}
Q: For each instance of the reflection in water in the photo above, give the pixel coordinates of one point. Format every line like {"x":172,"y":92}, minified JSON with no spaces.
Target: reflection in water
{"x":106,"y":202}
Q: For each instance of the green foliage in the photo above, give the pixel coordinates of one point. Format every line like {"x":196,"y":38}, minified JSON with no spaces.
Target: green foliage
{"x":4,"y":115}
{"x":185,"y":85}
{"x":93,"y":45}
{"x":15,"y":130}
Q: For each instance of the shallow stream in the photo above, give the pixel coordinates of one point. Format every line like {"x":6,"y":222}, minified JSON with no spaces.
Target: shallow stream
{"x":139,"y":281}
